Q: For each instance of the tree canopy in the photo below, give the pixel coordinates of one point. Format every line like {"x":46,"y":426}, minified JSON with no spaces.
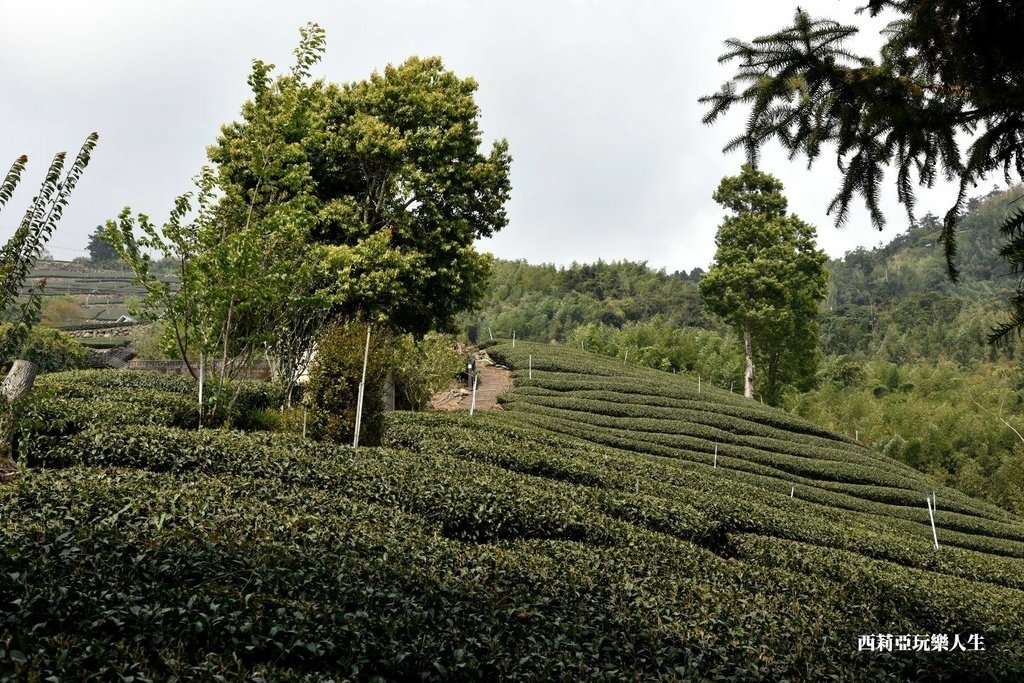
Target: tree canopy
{"x":397,"y":182}
{"x":948,"y":68}
{"x":101,"y":252}
{"x":767,"y":280}
{"x":327,"y":201}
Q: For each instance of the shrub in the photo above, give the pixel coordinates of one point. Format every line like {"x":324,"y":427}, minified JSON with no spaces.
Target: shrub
{"x":333,"y":387}
{"x":52,"y":350}
{"x":423,"y":368}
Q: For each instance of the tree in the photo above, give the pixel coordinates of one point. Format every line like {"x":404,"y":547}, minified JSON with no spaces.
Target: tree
{"x":100,"y":251}
{"x":400,"y":189}
{"x":948,"y":68}
{"x":17,"y":257}
{"x":767,"y":280}
{"x":247,"y":271}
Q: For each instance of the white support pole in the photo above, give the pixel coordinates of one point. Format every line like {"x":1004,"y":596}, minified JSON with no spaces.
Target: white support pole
{"x":626,"y":357}
{"x":716,"y":456}
{"x":531,"y":366}
{"x":359,"y":415}
{"x":513,"y":339}
{"x":637,"y":489}
{"x":792,"y":489}
{"x":472,"y":404}
{"x":362,"y":390}
{"x":489,"y":333}
{"x":698,"y":384}
{"x":304,"y":411}
{"x":581,"y":345}
{"x":856,"y":435}
{"x":931,"y":516}
{"x":201,"y":390}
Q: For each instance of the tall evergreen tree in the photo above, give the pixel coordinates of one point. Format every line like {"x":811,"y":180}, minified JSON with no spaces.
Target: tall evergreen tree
{"x":101,"y":252}
{"x":948,"y":69}
{"x":767,"y":281}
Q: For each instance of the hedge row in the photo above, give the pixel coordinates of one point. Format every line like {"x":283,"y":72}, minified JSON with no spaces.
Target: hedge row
{"x":613,"y":411}
{"x":737,"y":502}
{"x":68,"y":402}
{"x":808,"y":472}
{"x":160,"y":575}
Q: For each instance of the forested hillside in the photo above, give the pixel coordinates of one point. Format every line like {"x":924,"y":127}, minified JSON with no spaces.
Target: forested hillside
{"x":904,"y":360}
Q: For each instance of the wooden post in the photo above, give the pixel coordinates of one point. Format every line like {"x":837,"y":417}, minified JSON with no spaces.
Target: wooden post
{"x":362,"y":390}
{"x":18,"y":382}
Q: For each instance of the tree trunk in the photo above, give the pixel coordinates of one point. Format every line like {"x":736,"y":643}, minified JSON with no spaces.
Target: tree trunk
{"x":773,"y":379}
{"x":748,"y":349}
{"x":18,"y":382}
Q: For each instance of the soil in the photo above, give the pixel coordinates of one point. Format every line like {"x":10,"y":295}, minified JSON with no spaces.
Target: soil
{"x":492,"y":381}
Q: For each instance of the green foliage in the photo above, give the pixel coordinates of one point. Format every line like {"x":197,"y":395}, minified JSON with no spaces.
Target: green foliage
{"x":101,"y":252}
{"x":657,"y":343}
{"x":333,"y":388}
{"x":490,"y":547}
{"x":395,"y":178}
{"x":66,"y":403}
{"x":547,"y":303}
{"x":767,"y":281}
{"x":20,"y":252}
{"x":942,"y":72}
{"x":955,"y":423}
{"x":51,"y":350}
{"x":61,"y":310}
{"x":423,"y":368}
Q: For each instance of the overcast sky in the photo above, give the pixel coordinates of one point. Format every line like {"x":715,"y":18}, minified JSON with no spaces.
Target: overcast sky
{"x":597,"y":99}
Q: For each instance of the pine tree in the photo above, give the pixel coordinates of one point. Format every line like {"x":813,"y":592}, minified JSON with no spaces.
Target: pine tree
{"x":948,"y":68}
{"x":767,"y":281}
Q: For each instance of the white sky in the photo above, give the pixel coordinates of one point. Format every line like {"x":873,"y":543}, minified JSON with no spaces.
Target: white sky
{"x":597,"y":99}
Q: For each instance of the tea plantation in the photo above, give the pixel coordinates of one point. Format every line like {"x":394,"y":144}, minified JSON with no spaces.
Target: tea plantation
{"x":586,"y":532}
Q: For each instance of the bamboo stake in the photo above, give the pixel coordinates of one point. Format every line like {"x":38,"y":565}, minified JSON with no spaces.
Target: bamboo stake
{"x":931,"y":516}
{"x":362,"y":390}
{"x":472,"y":404}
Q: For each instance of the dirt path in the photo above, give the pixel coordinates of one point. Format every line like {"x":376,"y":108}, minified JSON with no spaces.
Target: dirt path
{"x":493,"y":380}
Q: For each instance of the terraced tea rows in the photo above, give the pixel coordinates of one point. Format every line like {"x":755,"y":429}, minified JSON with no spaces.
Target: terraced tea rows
{"x":513,"y":544}
{"x":663,"y":415}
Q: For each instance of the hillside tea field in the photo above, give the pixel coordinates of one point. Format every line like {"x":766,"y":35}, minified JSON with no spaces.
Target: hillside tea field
{"x":586,"y":532}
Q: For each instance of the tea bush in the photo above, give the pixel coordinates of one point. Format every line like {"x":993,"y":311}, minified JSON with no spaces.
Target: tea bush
{"x":580,"y":534}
